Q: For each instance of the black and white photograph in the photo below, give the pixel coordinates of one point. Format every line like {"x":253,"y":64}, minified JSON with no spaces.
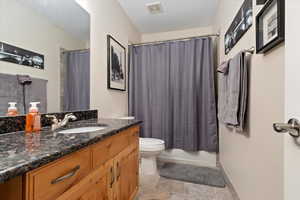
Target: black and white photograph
{"x":270,"y":26}
{"x":116,"y":64}
{"x":13,"y":54}
{"x":240,"y":25}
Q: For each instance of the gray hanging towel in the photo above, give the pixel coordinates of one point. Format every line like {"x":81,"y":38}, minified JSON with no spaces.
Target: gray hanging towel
{"x":11,"y":91}
{"x":234,"y":92}
{"x":243,"y":103}
{"x":234,"y":86}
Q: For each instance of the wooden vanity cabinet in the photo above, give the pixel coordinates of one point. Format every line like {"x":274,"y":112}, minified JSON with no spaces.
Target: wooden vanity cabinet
{"x":107,"y":170}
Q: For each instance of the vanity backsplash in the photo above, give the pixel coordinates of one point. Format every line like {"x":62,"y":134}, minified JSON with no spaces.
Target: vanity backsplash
{"x":14,"y":124}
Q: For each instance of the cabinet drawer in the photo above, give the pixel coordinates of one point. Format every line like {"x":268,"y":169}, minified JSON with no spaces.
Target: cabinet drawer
{"x":49,"y":182}
{"x":120,"y":142}
{"x":101,"y":152}
{"x":134,"y":135}
{"x":110,"y":147}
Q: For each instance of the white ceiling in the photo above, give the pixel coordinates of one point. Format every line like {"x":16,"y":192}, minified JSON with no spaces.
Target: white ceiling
{"x":177,"y":14}
{"x":66,"y":14}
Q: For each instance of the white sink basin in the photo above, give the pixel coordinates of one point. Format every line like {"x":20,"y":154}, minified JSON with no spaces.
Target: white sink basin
{"x":83,"y":130}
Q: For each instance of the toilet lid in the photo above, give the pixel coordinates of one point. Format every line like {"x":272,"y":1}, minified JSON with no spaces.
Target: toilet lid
{"x":151,"y":144}
{"x":151,"y":141}
{"x":128,"y":118}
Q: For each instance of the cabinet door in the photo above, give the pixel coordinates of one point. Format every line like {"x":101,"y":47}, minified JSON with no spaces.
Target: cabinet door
{"x":134,"y":165}
{"x":133,"y":175}
{"x":96,"y":191}
{"x":126,"y":165}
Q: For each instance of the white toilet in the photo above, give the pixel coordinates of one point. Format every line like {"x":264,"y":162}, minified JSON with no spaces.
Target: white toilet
{"x":150,"y":148}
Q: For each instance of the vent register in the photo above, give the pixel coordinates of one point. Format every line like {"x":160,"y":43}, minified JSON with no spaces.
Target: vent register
{"x":154,"y":8}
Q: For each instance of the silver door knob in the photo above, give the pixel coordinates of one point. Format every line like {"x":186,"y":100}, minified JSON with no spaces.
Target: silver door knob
{"x":292,"y":127}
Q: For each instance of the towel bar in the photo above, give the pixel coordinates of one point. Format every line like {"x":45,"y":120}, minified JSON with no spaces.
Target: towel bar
{"x":251,"y":50}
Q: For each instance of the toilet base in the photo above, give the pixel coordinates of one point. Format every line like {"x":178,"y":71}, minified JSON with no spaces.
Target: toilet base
{"x":148,"y":166}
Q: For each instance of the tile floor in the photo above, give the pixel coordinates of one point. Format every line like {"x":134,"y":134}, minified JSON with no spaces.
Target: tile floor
{"x":158,"y":188}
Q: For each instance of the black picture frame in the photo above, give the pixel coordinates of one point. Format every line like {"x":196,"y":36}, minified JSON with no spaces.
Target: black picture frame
{"x":260,"y":2}
{"x":20,"y":56}
{"x":262,"y":48}
{"x":116,"y":66}
{"x":240,"y":25}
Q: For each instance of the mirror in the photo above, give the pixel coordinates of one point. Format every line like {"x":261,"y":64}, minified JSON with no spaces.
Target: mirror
{"x":44,"y":55}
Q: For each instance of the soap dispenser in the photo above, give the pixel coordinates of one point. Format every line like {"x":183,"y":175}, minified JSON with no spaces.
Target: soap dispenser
{"x":33,"y":119}
{"x":12,"y":109}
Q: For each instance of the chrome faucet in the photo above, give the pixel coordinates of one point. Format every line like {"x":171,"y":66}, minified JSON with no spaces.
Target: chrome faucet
{"x":56,"y":124}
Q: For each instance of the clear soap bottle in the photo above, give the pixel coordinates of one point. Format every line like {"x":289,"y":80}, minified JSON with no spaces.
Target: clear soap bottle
{"x":33,"y":119}
{"x":12,"y":109}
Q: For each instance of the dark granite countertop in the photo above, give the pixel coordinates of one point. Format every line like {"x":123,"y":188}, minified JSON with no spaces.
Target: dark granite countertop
{"x":20,"y":152}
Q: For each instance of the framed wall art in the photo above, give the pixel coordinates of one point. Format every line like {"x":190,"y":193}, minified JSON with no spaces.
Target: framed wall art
{"x":270,"y":26}
{"x":240,"y":25}
{"x":13,"y":54}
{"x":116,"y":64}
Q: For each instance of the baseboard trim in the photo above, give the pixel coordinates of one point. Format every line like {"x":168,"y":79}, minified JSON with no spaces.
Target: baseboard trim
{"x":228,"y":182}
{"x":200,"y":163}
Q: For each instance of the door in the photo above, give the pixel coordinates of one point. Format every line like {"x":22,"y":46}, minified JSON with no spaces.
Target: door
{"x":292,"y":100}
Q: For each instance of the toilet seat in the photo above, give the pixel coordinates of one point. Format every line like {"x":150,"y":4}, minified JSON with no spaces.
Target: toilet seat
{"x":151,"y":144}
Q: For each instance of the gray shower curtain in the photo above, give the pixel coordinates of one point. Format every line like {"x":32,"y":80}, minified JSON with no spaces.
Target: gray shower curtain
{"x":172,"y":89}
{"x":77,"y":81}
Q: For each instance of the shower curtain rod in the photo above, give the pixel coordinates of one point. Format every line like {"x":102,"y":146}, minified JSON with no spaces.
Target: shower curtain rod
{"x":179,"y":39}
{"x":75,"y":50}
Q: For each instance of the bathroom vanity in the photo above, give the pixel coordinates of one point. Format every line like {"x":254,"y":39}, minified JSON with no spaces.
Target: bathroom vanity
{"x":100,"y":165}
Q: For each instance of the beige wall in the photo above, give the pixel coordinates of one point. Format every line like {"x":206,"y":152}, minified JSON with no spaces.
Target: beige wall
{"x":176,"y":34}
{"x":255,"y":163}
{"x":200,"y":158}
{"x":107,"y":17}
{"x":22,"y":27}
